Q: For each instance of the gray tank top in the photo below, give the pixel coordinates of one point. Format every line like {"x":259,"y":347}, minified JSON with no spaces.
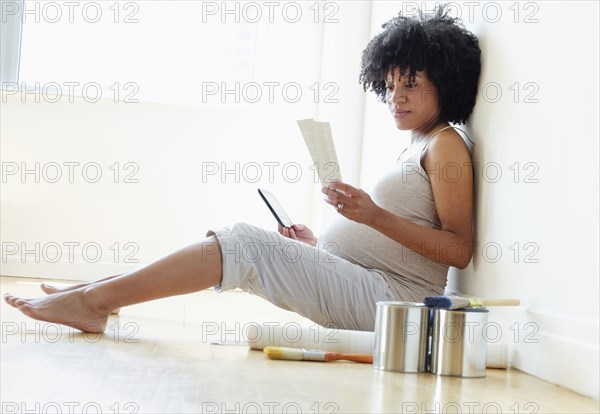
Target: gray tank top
{"x":406,"y":192}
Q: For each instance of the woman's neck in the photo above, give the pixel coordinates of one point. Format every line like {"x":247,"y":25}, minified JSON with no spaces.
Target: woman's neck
{"x":427,"y":131}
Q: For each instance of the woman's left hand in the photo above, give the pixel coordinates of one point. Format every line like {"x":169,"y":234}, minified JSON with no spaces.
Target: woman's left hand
{"x":355,"y":205}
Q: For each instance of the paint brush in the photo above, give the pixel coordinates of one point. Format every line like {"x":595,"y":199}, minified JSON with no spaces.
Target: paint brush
{"x":299,"y":354}
{"x":456,"y":302}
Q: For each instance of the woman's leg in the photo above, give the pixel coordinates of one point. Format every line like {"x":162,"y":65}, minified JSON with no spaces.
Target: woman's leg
{"x":292,"y":275}
{"x":87,"y":308}
{"x":49,"y":289}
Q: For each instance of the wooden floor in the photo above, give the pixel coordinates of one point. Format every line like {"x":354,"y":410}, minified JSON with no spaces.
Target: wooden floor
{"x":158,"y":357}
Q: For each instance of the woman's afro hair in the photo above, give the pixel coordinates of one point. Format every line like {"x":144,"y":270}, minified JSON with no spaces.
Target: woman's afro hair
{"x":435,"y":43}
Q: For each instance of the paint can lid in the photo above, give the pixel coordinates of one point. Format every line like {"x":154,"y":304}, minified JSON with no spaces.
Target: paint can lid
{"x":401,"y":304}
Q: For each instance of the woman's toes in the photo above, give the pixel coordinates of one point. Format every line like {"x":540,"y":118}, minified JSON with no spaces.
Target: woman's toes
{"x":48,"y":288}
{"x":10,"y":299}
{"x":20,"y":302}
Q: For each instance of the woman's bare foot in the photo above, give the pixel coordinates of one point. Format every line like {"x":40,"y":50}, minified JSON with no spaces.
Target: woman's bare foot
{"x":49,"y":289}
{"x":76,"y":308}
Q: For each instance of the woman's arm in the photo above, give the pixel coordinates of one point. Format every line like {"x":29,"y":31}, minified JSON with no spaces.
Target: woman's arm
{"x":449,"y":167}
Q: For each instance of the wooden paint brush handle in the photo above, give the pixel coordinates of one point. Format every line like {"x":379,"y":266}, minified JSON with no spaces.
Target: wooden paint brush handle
{"x":335,"y":356}
{"x":500,"y":302}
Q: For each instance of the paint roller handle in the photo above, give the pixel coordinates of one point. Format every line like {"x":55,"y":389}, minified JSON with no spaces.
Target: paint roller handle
{"x":500,"y":302}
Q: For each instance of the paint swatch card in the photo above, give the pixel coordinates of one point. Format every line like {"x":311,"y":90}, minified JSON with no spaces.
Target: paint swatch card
{"x":319,"y":141}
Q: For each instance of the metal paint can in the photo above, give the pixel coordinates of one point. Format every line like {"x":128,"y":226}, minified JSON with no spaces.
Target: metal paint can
{"x":458,"y":342}
{"x":401,"y":340}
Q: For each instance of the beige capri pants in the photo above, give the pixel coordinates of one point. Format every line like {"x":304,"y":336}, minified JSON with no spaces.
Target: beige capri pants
{"x":312,"y":282}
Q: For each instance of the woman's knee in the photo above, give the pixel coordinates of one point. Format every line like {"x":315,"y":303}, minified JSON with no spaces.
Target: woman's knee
{"x":243,"y":228}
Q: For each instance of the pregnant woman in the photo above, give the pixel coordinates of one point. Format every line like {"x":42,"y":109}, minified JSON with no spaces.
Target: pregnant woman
{"x":394,"y":243}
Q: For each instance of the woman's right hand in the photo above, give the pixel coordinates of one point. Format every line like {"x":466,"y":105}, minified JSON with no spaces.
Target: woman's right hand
{"x":298,"y":232}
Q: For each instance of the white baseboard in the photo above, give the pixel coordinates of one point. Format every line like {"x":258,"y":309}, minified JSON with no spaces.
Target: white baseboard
{"x":562,"y":351}
{"x":77,"y":269}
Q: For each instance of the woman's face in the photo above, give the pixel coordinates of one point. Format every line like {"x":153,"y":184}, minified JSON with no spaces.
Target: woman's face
{"x":414,"y":107}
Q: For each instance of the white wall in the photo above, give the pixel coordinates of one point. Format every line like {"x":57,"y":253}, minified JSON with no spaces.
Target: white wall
{"x":175,"y":199}
{"x":556,"y":275}
{"x":168,"y":146}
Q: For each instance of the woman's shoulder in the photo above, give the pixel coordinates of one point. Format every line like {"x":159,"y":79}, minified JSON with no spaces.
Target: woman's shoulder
{"x":446,"y":146}
{"x":451,"y":138}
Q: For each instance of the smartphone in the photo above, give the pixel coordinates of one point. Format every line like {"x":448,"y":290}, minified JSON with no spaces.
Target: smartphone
{"x":278,"y":211}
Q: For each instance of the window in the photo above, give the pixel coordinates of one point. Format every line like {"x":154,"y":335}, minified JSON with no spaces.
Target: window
{"x":178,"y":52}
{"x":10,"y":39}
